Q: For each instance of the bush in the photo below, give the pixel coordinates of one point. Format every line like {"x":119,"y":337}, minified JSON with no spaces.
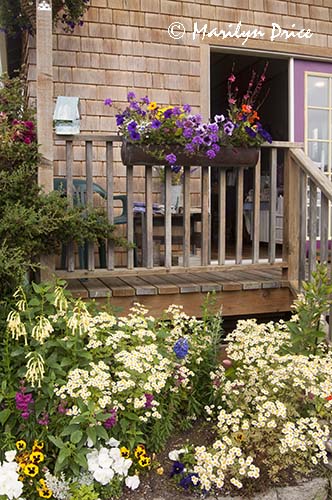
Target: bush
{"x":96,"y":389}
{"x":272,"y":402}
{"x":32,"y":222}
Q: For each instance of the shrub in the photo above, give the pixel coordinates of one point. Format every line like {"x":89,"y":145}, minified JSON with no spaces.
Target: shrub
{"x":77,"y":380}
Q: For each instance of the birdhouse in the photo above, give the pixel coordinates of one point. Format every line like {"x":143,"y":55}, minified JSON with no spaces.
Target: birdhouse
{"x":67,"y":115}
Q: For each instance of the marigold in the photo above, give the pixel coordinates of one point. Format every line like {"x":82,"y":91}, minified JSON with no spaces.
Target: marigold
{"x":31,"y":470}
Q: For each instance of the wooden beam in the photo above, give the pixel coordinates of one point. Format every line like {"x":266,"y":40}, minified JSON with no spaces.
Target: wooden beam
{"x":291,"y":238}
{"x":44,"y":93}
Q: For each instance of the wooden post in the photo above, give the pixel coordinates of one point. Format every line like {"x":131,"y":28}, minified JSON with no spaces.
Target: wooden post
{"x":44,"y":79}
{"x":291,"y":246}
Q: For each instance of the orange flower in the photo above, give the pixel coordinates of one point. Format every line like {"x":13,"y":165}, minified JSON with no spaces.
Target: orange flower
{"x":254,"y":116}
{"x":246,"y":108}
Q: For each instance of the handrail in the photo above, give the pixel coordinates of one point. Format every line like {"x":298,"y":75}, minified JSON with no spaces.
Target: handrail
{"x":88,"y":137}
{"x":314,"y":172}
{"x":282,"y":144}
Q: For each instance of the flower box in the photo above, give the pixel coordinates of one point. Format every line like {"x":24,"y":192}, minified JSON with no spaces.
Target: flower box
{"x":227,"y":157}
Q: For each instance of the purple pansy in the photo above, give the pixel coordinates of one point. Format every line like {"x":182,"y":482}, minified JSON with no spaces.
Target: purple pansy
{"x":210,"y":154}
{"x":229,"y":127}
{"x":177,"y":468}
{"x":131,"y":96}
{"x":108,"y":102}
{"x":186,"y":108}
{"x":168,"y":113}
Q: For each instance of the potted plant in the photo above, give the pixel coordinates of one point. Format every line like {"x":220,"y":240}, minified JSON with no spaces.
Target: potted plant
{"x":155,"y":135}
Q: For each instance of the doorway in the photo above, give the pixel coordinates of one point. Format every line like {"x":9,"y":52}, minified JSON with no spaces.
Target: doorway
{"x":274,"y":116}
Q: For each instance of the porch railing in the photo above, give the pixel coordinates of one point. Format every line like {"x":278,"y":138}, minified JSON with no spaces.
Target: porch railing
{"x":285,"y":160}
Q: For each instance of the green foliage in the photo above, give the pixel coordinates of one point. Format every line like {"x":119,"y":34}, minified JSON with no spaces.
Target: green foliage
{"x":83,"y":492}
{"x":16,"y":16}
{"x":32,"y":222}
{"x":307,"y":329}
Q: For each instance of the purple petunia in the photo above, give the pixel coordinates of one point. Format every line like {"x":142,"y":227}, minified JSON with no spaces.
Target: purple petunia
{"x":145,"y":100}
{"x":135,"y":136}
{"x":210,"y":154}
{"x":188,"y":133}
{"x":250,"y":132}
{"x":108,"y":102}
{"x":181,"y":348}
{"x":186,"y":482}
{"x":168,"y":113}
{"x":119,"y":120}
{"x":264,"y":133}
{"x":131,"y":96}
{"x":171,"y":158}
{"x":197,"y":140}
{"x":132,"y":126}
{"x":176,"y":169}
{"x":176,"y":111}
{"x":155,"y":123}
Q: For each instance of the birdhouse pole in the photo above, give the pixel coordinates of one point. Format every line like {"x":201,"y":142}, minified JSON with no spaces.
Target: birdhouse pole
{"x":44,"y":80}
{"x":44,"y":51}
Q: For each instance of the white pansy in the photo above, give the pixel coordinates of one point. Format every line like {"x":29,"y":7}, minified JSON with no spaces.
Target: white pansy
{"x":132,"y":482}
{"x":10,"y":455}
{"x":103,"y":475}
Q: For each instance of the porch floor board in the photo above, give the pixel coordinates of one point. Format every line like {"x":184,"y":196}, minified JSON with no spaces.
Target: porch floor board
{"x":239,"y":292}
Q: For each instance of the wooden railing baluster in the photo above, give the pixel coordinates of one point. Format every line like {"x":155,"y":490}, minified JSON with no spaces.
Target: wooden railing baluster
{"x":70,"y":193}
{"x":222,"y":217}
{"x":186,"y":216}
{"x":239,"y":217}
{"x":273,"y":206}
{"x":110,"y":201}
{"x":149,"y":216}
{"x":89,"y":198}
{"x":130,"y":217}
{"x":303,"y":227}
{"x":256,"y":211}
{"x":312,"y":226}
{"x":324,"y":228}
{"x":168,"y":217}
{"x":205,"y":190}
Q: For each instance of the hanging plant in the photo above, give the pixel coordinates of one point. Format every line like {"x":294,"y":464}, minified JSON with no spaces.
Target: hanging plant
{"x":20,"y":15}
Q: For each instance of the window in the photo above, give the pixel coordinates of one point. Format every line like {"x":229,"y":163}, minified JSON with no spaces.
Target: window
{"x":318,"y":124}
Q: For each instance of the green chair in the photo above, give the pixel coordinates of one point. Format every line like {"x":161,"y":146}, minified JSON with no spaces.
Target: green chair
{"x":79,"y":195}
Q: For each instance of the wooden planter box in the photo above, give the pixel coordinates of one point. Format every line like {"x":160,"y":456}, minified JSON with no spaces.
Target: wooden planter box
{"x":228,"y":157}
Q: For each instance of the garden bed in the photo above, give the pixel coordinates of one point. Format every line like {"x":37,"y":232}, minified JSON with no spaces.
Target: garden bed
{"x":94,"y":405}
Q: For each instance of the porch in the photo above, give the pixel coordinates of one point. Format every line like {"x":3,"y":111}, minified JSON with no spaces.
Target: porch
{"x":246,"y":274}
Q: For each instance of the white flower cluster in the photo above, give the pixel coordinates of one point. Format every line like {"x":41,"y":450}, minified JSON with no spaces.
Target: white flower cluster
{"x":106,"y":463}
{"x":87,"y":385}
{"x":305,"y":435}
{"x":223,"y":463}
{"x":10,"y":486}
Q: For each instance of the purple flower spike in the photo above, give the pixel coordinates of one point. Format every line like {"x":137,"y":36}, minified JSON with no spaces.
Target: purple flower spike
{"x":171,"y":158}
{"x":181,"y":348}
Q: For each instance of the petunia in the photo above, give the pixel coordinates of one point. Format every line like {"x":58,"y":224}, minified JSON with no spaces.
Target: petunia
{"x":171,"y":158}
{"x":186,"y":108}
{"x":210,"y":154}
{"x":131,"y":96}
{"x":155,"y":124}
{"x":135,"y":136}
{"x":108,"y":102}
{"x":168,"y":113}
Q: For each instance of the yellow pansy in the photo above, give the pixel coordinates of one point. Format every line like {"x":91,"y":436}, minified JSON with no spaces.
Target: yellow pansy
{"x":152,"y":106}
{"x":21,"y":445}
{"x":31,"y":470}
{"x":144,"y":461}
{"x":125,"y":452}
{"x":36,"y":457}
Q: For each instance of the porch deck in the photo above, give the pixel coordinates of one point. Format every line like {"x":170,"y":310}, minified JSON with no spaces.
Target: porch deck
{"x":251,"y":290}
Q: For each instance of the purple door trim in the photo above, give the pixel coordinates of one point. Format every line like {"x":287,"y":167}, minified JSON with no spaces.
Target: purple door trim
{"x":300,"y":66}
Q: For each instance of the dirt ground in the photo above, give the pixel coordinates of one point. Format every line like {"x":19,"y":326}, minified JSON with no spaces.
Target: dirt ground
{"x":154,"y":486}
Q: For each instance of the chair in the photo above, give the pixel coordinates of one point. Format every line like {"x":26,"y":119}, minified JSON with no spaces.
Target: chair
{"x":60,"y":184}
